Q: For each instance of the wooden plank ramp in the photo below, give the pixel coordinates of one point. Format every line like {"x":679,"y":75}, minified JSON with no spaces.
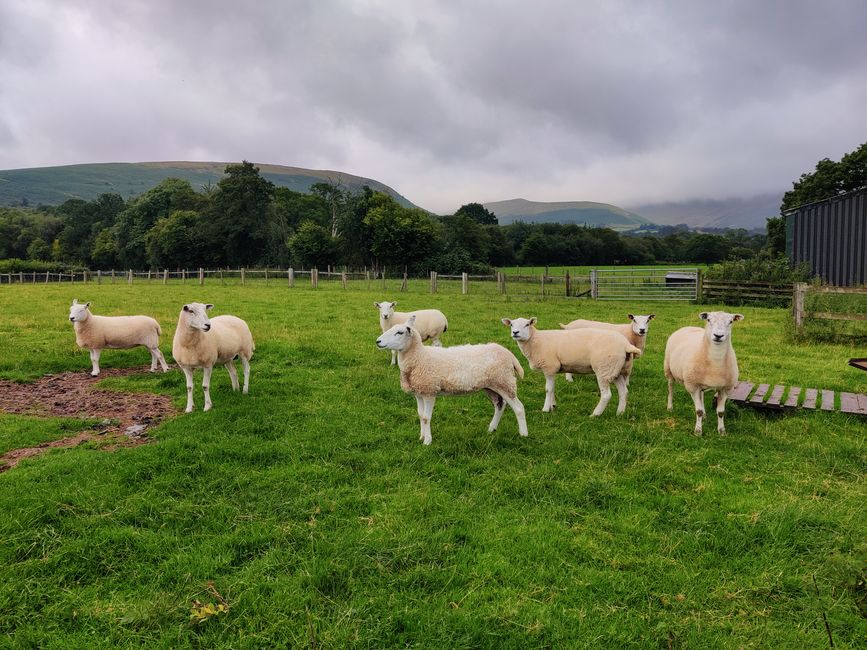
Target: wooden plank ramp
{"x":814,"y":398}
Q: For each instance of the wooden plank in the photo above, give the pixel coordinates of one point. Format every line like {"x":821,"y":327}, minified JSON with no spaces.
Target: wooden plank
{"x":760,"y":394}
{"x":851,"y":290}
{"x":850,"y":403}
{"x":825,"y":315}
{"x":794,"y":393}
{"x":776,"y":395}
{"x":741,"y":391}
{"x":810,"y":398}
{"x":861,"y":364}
{"x":827,"y":400}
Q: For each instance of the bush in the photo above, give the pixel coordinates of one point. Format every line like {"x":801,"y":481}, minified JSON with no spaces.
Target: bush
{"x":761,"y":268}
{"x":457,"y":261}
{"x":15,"y":265}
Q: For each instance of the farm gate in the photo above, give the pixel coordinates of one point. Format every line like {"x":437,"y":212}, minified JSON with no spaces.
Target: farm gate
{"x":645,"y":284}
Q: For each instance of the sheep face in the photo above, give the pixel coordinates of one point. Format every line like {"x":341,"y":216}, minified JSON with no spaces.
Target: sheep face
{"x":521,"y":327}
{"x":386,"y":309}
{"x":398,"y":337}
{"x":718,"y":326}
{"x":640,"y":324}
{"x":197,"y":316}
{"x":78,"y":312}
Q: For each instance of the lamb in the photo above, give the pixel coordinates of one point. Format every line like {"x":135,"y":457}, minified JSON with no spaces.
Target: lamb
{"x":581,"y":351}
{"x":430,"y":323}
{"x":201,"y":342}
{"x":703,"y":359}
{"x":634,"y":331}
{"x":430,"y":371}
{"x":95,"y":333}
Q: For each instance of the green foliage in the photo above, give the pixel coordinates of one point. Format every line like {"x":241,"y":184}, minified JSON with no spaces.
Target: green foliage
{"x":177,"y":241}
{"x":22,"y":228}
{"x":14,"y":265}
{"x":398,"y":235}
{"x":829,"y":179}
{"x":313,"y":246}
{"x":776,"y":229}
{"x":762,"y":268}
{"x":478,"y":213}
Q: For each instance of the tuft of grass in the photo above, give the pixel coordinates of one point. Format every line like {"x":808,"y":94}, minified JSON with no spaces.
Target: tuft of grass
{"x":310,"y":508}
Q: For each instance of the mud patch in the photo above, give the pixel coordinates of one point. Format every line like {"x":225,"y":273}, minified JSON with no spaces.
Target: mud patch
{"x":125,"y":417}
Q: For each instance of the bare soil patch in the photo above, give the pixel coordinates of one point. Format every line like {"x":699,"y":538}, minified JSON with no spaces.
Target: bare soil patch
{"x":125,"y":417}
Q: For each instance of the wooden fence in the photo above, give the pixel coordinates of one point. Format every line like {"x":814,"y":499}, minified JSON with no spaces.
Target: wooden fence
{"x":760,"y":293}
{"x":800,"y":299}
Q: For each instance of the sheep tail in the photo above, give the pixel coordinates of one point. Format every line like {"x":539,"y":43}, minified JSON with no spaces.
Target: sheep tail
{"x":562,"y":326}
{"x":519,"y":369}
{"x":634,"y":351}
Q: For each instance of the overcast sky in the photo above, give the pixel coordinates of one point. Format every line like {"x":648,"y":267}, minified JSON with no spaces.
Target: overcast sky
{"x":447,"y":102}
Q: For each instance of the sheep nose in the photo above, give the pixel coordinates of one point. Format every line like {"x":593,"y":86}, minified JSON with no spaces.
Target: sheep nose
{"x":718,"y":337}
{"x":72,"y":318}
{"x":207,"y":327}
{"x":642,"y":331}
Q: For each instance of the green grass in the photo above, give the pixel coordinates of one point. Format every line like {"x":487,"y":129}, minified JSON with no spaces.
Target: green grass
{"x":311,"y":507}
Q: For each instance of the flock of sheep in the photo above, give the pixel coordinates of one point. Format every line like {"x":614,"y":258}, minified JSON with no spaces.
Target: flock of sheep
{"x":699,"y":358}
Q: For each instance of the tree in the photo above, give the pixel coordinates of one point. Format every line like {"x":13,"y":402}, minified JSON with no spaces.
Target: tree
{"x":177,"y":240}
{"x":463,"y":232}
{"x":776,"y":241}
{"x":335,"y":197}
{"x":829,"y":179}
{"x":83,"y":220}
{"x":313,"y":246}
{"x":104,"y":250}
{"x":478,"y":213}
{"x":400,"y":236}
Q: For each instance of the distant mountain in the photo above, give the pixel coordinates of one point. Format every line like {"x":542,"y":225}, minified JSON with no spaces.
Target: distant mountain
{"x":54,"y":185}
{"x":722,"y":213}
{"x":577,"y":212}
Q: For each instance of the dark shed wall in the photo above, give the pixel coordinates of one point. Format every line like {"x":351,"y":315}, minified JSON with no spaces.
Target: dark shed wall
{"x":831,"y":236}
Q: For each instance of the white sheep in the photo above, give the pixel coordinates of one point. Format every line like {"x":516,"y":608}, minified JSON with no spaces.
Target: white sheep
{"x":581,"y":351}
{"x":635,"y":332}
{"x":703,"y":359}
{"x":201,"y":342}
{"x":428,"y":371}
{"x":430,"y":323}
{"x":95,"y":333}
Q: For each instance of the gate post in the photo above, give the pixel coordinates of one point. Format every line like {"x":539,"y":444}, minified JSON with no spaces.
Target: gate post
{"x":594,"y":285}
{"x":798,"y":305}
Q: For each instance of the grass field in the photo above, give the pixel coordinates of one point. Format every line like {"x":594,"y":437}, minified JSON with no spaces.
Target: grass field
{"x":312,"y":509}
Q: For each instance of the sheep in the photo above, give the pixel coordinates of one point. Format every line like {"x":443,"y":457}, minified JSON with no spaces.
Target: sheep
{"x":703,"y":359}
{"x":96,"y":333}
{"x":430,"y":323}
{"x":430,"y":371}
{"x":582,"y":351}
{"x":201,"y":342}
{"x":634,"y":331}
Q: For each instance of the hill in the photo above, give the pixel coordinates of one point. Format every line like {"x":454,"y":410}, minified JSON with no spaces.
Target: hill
{"x":750,"y":212}
{"x":578,"y":212}
{"x":54,"y":185}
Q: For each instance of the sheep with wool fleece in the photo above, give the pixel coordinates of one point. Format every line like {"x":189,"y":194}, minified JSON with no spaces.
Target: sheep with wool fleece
{"x":703,"y":359}
{"x":201,"y":342}
{"x":96,"y":333}
{"x":429,"y":323}
{"x":430,"y":371}
{"x":582,"y":351}
{"x":635,"y":332}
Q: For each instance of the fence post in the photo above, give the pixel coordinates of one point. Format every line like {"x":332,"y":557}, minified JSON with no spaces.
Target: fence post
{"x":201,"y":276}
{"x":798,"y":305}
{"x":183,"y":276}
{"x":464,"y":284}
{"x":543,"y":284}
{"x":165,"y":276}
{"x":568,"y":284}
{"x":222,"y":281}
{"x":112,"y":276}
{"x":433,"y":281}
{"x":149,"y":275}
{"x":290,"y":276}
{"x":594,"y":289}
{"x":266,"y":276}
{"x":501,"y":282}
{"x":343,"y":279}
{"x":314,"y":278}
{"x":403,"y":285}
{"x":699,"y":286}
{"x":21,"y":277}
{"x":243,"y":275}
{"x":99,"y":277}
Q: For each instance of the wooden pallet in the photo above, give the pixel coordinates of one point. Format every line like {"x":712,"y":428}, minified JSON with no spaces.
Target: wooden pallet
{"x":825,"y":400}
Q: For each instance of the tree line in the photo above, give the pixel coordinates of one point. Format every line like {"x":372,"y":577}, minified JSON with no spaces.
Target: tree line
{"x":245,"y":220}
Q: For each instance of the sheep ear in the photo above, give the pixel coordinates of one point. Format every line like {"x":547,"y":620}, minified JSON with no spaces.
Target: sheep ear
{"x":630,"y":316}
{"x":186,"y":308}
{"x":532,"y":321}
{"x":703,"y":315}
{"x":209,"y":306}
{"x":737,"y":317}
{"x":376,"y":304}
{"x":651,"y":316}
{"x":87,"y":304}
{"x":394,"y":304}
{"x":410,"y":322}
{"x":75,"y":301}
{"x":506,"y":322}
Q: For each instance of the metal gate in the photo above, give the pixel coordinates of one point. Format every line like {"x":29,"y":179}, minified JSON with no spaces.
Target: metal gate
{"x":644,"y":284}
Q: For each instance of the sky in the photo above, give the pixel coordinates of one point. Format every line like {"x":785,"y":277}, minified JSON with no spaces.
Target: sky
{"x":447,"y":102}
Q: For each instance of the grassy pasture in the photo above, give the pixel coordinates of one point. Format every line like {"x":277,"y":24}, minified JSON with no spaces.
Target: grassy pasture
{"x":311,"y":507}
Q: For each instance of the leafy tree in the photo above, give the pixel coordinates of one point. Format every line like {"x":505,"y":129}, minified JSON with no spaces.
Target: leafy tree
{"x":478,"y":213}
{"x":313,"y":246}
{"x":83,"y":220}
{"x":178,"y":241}
{"x":104,"y":251}
{"x":39,"y":250}
{"x":776,"y":241}
{"x":829,"y":179}
{"x":335,"y":197}
{"x":400,"y":236}
{"x":462,"y":231}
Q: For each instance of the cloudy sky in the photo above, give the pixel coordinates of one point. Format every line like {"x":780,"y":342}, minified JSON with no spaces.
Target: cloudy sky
{"x":447,"y":102}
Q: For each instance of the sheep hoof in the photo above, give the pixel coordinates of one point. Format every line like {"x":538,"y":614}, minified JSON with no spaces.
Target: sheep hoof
{"x":697,"y":433}
{"x":207,"y":407}
{"x":189,"y":409}
{"x":723,"y":433}
{"x":426,"y":441}
{"x":94,"y":374}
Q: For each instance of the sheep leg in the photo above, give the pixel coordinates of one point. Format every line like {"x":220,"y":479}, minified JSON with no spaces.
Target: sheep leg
{"x":698,"y":398}
{"x":245,"y":363}
{"x":670,"y":394}
{"x":426,"y":417}
{"x":94,"y":360}
{"x":419,"y":404}
{"x":233,"y":374}
{"x":550,"y":402}
{"x":436,"y":341}
{"x":499,"y":408}
{"x":188,"y":373}
{"x":721,"y":398}
{"x":604,"y":396}
{"x":206,"y":386}
{"x":520,"y":414}
{"x":569,"y":376}
{"x":153,"y":360}
{"x":622,"y":384}
{"x":161,"y":359}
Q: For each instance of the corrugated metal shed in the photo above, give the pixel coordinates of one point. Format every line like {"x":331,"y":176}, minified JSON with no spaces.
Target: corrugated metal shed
{"x":831,"y":236}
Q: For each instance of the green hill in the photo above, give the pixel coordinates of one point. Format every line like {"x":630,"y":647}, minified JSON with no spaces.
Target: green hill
{"x":54,"y":185}
{"x":577,"y":212}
